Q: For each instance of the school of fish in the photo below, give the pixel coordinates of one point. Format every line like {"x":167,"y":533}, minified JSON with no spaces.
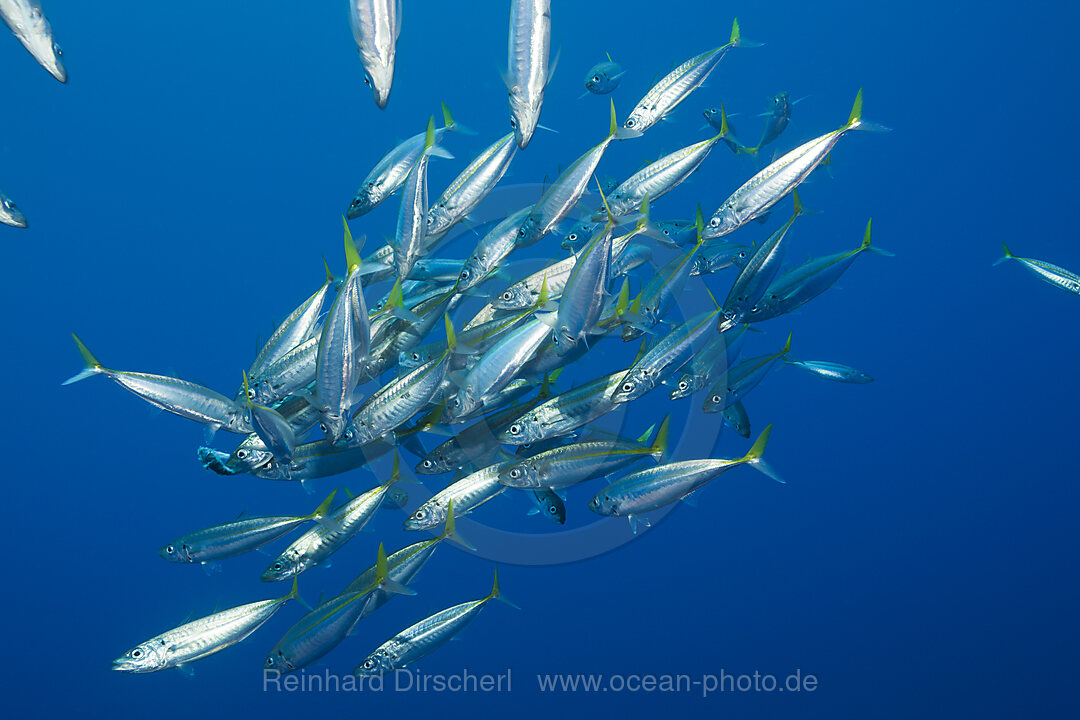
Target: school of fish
{"x":459,"y":361}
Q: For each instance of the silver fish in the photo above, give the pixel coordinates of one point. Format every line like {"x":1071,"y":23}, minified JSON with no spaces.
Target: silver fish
{"x":832,"y":371}
{"x":389,"y":174}
{"x":677,"y":85}
{"x":1056,"y":276}
{"x":10,"y":213}
{"x":200,"y":638}
{"x":758,"y":194}
{"x":471,"y":186}
{"x":376,"y":25}
{"x":424,"y":637}
{"x":492,"y":249}
{"x":30,"y":26}
{"x":655,"y":487}
{"x":186,"y":399}
{"x":234,"y":538}
{"x":659,"y":178}
{"x":527,"y":65}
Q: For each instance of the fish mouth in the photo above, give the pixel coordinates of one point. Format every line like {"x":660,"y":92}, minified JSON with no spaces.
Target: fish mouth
{"x":123,"y":665}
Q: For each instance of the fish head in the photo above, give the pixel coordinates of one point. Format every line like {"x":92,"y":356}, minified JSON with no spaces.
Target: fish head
{"x":410,"y":359}
{"x":524,"y":115}
{"x":515,"y":297}
{"x":366,"y":198}
{"x":521,"y":475}
{"x":438,"y":217}
{"x":603,"y":504}
{"x":35,"y":33}
{"x":376,"y":663}
{"x":148,"y":657}
{"x":283,"y":567}
{"x":551,"y":506}
{"x":436,"y":462}
{"x":638,"y":120}
{"x":634,"y":385}
{"x":713,"y":117}
{"x":333,"y":427}
{"x":277,"y":660}
{"x":176,"y":552}
{"x":10,"y":213}
{"x":781,"y":106}
{"x":526,"y":429}
{"x":428,"y":515}
{"x":472,"y":272}
{"x":379,"y":77}
{"x":564,"y":340}
{"x":463,"y":403}
{"x":272,"y":470}
{"x":724,"y":221}
{"x":685,"y":387}
{"x":717,"y":401}
{"x":578,"y":235}
{"x":529,"y":232}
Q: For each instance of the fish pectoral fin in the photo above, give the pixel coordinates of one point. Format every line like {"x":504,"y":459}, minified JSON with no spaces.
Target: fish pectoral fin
{"x":395,"y":587}
{"x":186,"y":670}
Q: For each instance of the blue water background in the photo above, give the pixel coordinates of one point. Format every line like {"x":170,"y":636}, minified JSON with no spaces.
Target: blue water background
{"x":184,"y":185}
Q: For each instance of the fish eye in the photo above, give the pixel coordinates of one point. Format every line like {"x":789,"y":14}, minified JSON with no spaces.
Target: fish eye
{"x":683,"y":385}
{"x":513,"y":122}
{"x":465,"y":274}
{"x":368,"y":664}
{"x":241,"y":454}
{"x":367,"y":80}
{"x":136,"y":653}
{"x":350,"y":434}
{"x":627,"y":387}
{"x":715,"y":222}
{"x":631,"y":123}
{"x":716,"y":398}
{"x":416,"y":356}
{"x":507,"y":296}
{"x":515,"y":429}
{"x":428,"y":463}
{"x":596,"y":78}
{"x":277,"y":566}
{"x":420,"y":514}
{"x":270,"y":661}
{"x":712,"y":110}
{"x":322,"y":426}
{"x":553,"y":509}
{"x":251,"y":394}
{"x":516,"y":472}
{"x":572,"y":237}
{"x":169,"y":549}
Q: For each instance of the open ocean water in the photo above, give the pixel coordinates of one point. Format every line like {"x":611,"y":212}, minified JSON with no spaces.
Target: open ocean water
{"x":183,"y":187}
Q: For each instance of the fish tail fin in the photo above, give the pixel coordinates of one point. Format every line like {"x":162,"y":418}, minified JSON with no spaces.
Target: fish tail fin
{"x":623,"y":303}
{"x":737,"y":40}
{"x":451,"y":124}
{"x":798,"y":203}
{"x":855,"y":119}
{"x":451,"y":336}
{"x":497,"y":594}
{"x":660,"y":442}
{"x":613,"y":128}
{"x":395,"y":471}
{"x":866,"y":246}
{"x":294,"y":593}
{"x":1007,"y":256}
{"x":699,"y":223}
{"x":603,"y":198}
{"x":329,"y":275}
{"x":542,"y":298}
{"x":429,"y":136}
{"x":787,"y":346}
{"x":754,"y":456}
{"x":383,"y":581}
{"x":352,"y":255}
{"x":91,"y":366}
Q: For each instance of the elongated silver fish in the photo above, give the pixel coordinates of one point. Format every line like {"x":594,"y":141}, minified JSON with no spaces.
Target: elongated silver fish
{"x":567,"y":465}
{"x":603,"y":77}
{"x":661,"y":361}
{"x":389,"y":174}
{"x":564,"y":412}
{"x":272,"y":428}
{"x":492,"y":249}
{"x":466,"y":494}
{"x":186,"y":399}
{"x":343,"y":349}
{"x":1057,"y":276}
{"x":655,"y":487}
{"x":30,"y":26}
{"x":10,"y":213}
{"x":585,"y":293}
{"x":527,"y":65}
{"x":660,"y":177}
{"x":563,"y":194}
{"x":498,"y":366}
{"x":471,"y":186}
{"x":758,"y":194}
{"x":831,"y":371}
{"x":320,"y":542}
{"x":376,"y":25}
{"x":234,"y":538}
{"x":677,"y":85}
{"x":412,"y":216}
{"x":200,"y":638}
{"x":424,"y":637}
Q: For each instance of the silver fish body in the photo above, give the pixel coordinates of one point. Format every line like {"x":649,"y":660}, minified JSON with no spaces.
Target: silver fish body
{"x":33,"y":30}
{"x":10,"y":214}
{"x":527,"y":65}
{"x":376,"y":25}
